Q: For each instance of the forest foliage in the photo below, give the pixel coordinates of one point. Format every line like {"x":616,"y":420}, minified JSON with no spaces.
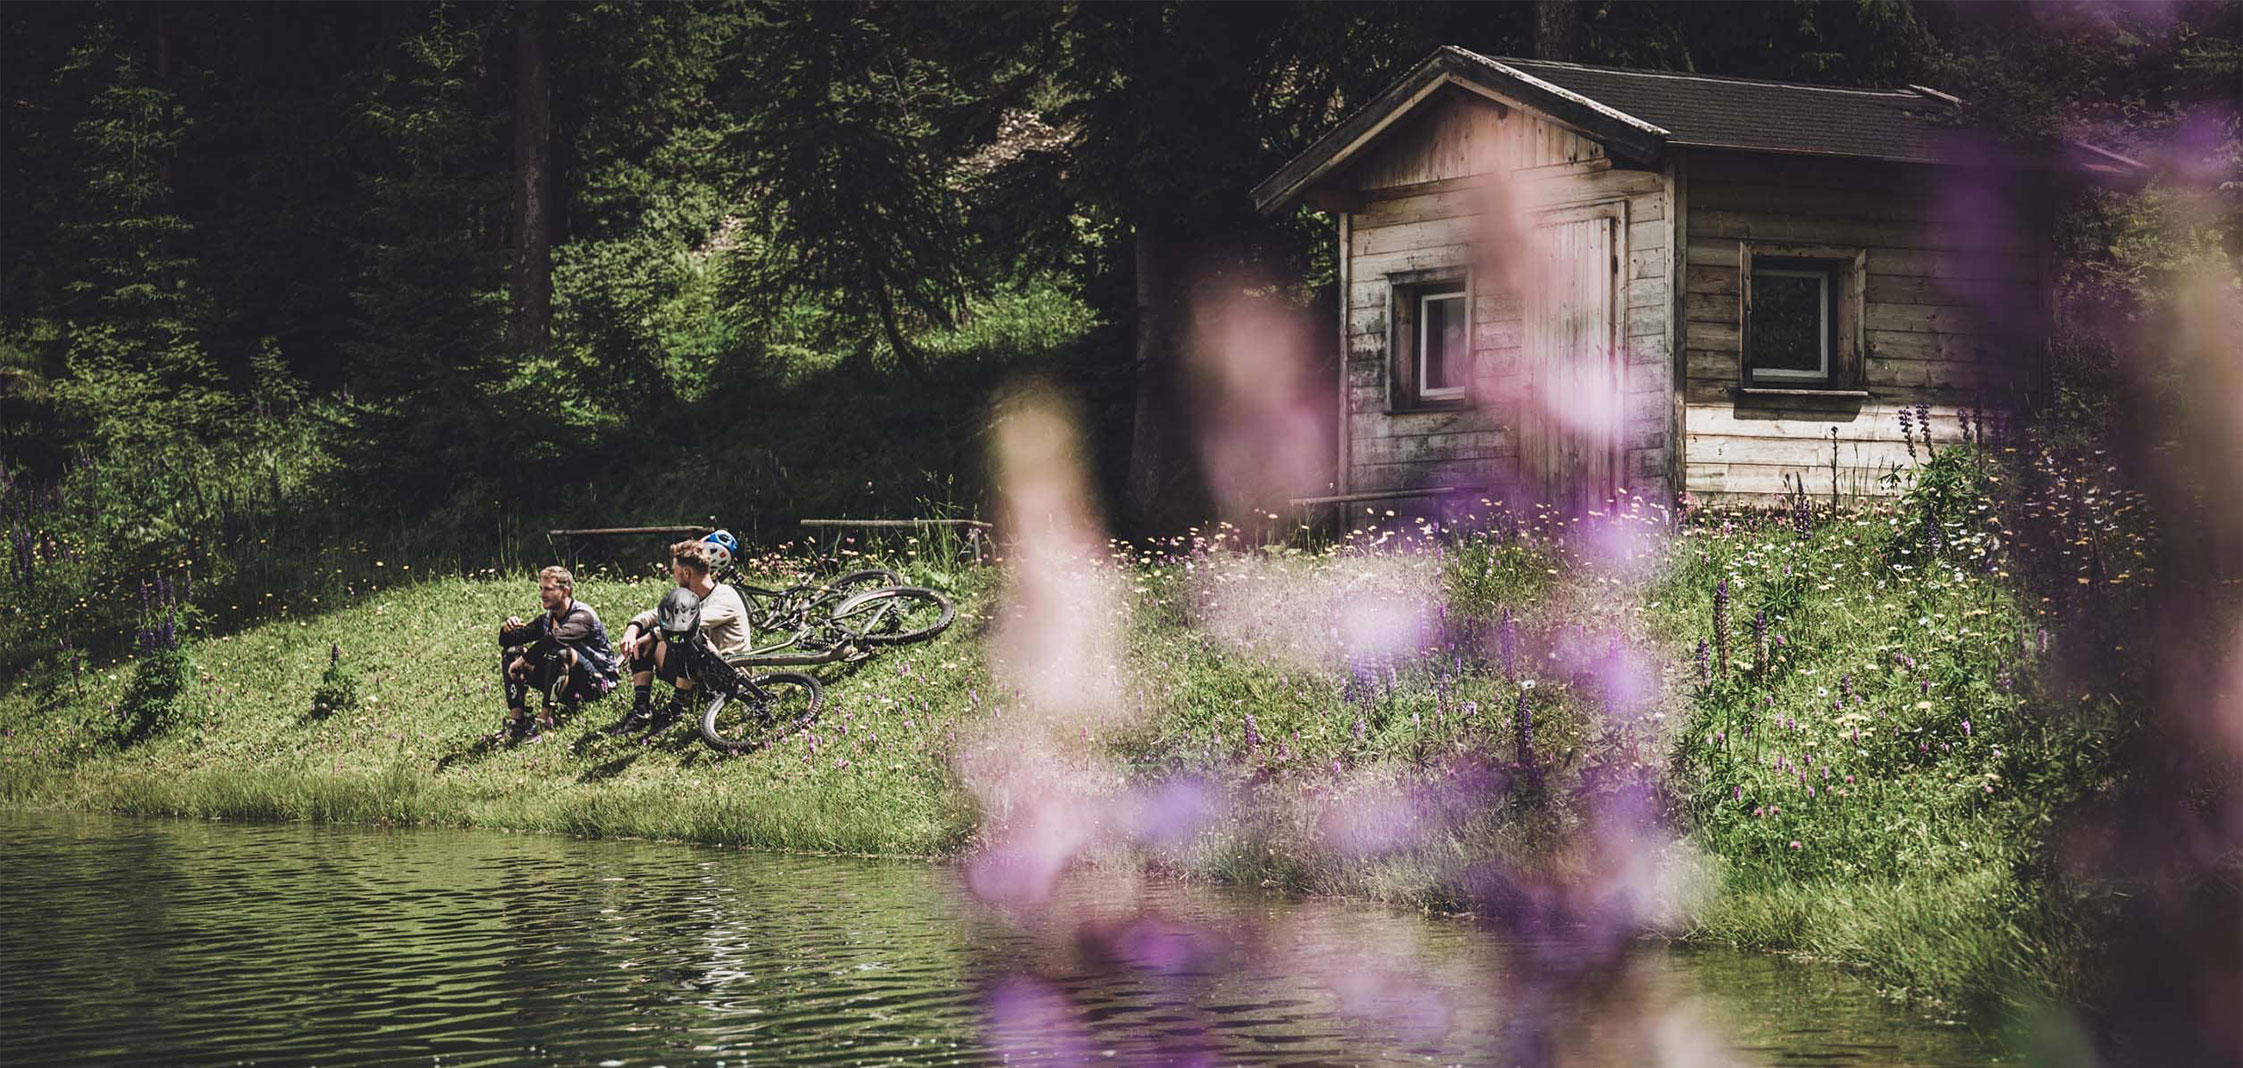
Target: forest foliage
{"x":262,"y":287}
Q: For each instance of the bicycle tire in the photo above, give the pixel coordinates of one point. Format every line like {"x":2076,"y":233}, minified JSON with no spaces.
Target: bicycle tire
{"x":878,"y":617}
{"x":750,"y":726}
{"x":859,"y":581}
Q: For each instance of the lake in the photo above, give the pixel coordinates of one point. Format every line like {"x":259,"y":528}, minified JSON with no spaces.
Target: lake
{"x":196,"y":943}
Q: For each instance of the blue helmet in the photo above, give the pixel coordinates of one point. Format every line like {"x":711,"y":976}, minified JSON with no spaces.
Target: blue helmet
{"x":720,"y":546}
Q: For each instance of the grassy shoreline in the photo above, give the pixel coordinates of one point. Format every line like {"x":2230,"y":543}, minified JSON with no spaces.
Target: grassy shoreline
{"x":1910,"y":875}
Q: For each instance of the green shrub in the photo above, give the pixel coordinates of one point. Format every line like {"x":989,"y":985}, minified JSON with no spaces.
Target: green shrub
{"x":151,"y":702}
{"x":338,"y":687}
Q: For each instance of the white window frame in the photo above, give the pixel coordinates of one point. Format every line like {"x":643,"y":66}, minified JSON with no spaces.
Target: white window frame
{"x":1823,"y":329}
{"x":1464,"y":300}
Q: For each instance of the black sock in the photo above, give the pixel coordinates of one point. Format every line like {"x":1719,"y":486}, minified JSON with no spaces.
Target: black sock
{"x":642,"y":696}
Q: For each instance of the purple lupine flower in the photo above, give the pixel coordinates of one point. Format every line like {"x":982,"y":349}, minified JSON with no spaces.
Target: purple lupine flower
{"x":1360,"y":729}
{"x":1760,"y":641}
{"x":1705,"y":664}
{"x":1908,"y":432}
{"x":1736,"y":793}
{"x":1923,"y":423}
{"x":1721,"y":627}
{"x":1253,"y":736}
{"x":1966,"y":728}
{"x":1523,"y":722}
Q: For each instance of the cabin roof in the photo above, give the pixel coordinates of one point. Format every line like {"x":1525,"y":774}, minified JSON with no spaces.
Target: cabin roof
{"x":1638,"y":114}
{"x":1888,"y":124}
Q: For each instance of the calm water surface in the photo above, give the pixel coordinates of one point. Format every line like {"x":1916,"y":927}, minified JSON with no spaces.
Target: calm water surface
{"x":191,"y":943}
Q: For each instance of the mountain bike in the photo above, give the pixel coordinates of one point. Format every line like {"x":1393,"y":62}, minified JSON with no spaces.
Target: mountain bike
{"x":840,"y":619}
{"x":745,"y":711}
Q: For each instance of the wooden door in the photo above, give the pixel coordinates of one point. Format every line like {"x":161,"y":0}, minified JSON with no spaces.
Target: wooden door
{"x":1569,"y":433}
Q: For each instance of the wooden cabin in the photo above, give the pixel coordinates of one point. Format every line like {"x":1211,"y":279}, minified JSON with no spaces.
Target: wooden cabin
{"x":1561,"y":282}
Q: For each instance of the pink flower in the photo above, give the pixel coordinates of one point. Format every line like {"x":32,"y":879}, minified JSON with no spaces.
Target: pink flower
{"x":1758,"y":812}
{"x":1849,"y":778}
{"x":1795,"y":843}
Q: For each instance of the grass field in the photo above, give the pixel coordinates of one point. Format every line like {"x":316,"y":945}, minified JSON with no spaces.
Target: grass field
{"x":1859,"y":764}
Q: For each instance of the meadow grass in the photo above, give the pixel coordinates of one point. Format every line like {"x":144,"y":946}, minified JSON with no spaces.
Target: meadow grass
{"x":1869,"y":775}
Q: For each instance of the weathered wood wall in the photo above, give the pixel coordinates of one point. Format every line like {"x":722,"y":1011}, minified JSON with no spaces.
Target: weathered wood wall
{"x":1423,"y":189}
{"x":1953,"y":307}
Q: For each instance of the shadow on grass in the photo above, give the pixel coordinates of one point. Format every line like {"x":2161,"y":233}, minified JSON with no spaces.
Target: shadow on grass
{"x":483,"y":746}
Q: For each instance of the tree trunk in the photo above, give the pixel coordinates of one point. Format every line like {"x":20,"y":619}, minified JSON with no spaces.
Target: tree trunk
{"x":1553,"y":30}
{"x":1157,"y":463}
{"x":533,"y":184}
{"x":907,"y":355}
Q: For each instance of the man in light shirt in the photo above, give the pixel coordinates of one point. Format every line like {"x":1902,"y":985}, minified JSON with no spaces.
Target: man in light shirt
{"x":724,"y":622}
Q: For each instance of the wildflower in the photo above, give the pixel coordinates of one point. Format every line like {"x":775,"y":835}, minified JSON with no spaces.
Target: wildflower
{"x":1736,"y":793}
{"x":1849,"y":779}
{"x":1253,"y":736}
{"x":1721,"y":626}
{"x":1758,"y":812}
{"x":1795,"y":843}
{"x":1523,"y":718}
{"x":1966,"y":728}
{"x":1705,"y":664}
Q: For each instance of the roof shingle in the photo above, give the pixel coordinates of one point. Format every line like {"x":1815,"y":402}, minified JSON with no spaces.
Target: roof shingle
{"x":1694,"y":109}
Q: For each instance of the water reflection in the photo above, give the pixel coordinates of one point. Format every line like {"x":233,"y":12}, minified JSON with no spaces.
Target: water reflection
{"x":202,"y":943}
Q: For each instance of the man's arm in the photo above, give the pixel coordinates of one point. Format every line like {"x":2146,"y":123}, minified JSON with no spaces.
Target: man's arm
{"x":514,"y":632}
{"x":572,"y":628}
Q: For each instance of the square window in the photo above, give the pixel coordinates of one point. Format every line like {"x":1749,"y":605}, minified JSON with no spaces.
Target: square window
{"x":1792,"y":326}
{"x":1444,"y":351}
{"x":1430,"y":357}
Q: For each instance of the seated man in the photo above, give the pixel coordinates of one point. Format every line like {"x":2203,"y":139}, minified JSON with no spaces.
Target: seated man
{"x":562,"y":653}
{"x":724,"y":622}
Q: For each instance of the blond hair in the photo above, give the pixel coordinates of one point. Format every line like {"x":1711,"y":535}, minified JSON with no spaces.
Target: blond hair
{"x":560,"y":576}
{"x":692,"y":555}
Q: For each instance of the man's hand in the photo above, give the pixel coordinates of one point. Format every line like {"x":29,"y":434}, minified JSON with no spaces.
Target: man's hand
{"x":513,"y":622}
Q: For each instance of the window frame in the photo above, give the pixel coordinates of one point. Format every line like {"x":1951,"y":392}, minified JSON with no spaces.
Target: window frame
{"x":1844,"y":343}
{"x":1407,"y":293}
{"x":1426,"y":296}
{"x":1826,"y":322}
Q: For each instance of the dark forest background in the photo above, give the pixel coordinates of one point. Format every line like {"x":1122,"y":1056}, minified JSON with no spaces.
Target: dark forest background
{"x":288,"y":288}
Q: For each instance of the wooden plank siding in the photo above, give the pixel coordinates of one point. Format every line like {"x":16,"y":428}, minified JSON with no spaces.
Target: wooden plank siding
{"x":1940,"y":325}
{"x":1423,"y":194}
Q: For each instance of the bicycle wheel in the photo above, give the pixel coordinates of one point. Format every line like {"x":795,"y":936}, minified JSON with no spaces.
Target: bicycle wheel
{"x":856,"y":582}
{"x":894,"y":615}
{"x":788,"y":702}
